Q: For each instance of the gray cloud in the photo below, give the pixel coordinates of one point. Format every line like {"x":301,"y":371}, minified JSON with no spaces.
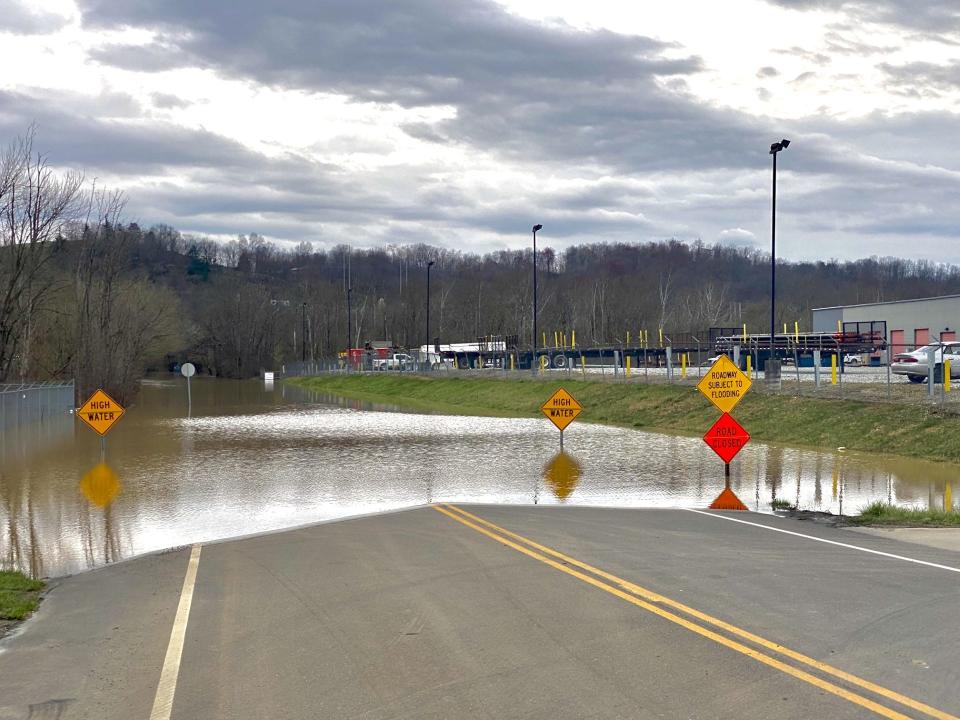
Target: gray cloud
{"x":932,"y":17}
{"x":604,"y":109}
{"x":918,"y":78}
{"x":21,"y":19}
{"x":767,"y":72}
{"x":167,"y":101}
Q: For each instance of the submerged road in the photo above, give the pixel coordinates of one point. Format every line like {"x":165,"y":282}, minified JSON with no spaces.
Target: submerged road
{"x":503,"y":612}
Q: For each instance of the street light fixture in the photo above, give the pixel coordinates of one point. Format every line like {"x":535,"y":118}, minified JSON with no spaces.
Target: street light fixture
{"x":533,"y":361}
{"x":429,"y":265}
{"x":774,"y":149}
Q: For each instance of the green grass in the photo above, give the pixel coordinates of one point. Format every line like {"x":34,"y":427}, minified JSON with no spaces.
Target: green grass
{"x":890,"y":428}
{"x":881,"y":513}
{"x":19,"y":595}
{"x":781,"y":504}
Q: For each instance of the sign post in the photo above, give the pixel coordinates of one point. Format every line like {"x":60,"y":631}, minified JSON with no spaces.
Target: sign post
{"x":100,"y":412}
{"x":725,"y":385}
{"x":188,"y":371}
{"x":561,"y":409}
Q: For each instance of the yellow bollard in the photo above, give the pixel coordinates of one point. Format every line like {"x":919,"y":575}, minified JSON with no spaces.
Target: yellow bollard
{"x":455,"y":366}
{"x":543,"y":363}
{"x":646,"y":338}
{"x":744,"y":333}
{"x":749,"y":363}
{"x":556,"y":340}
{"x":839,"y":326}
{"x":784,"y":328}
{"x":628,"y":337}
{"x":683,"y":365}
{"x":573,"y":339}
{"x":544,"y":338}
{"x":583,"y":365}
{"x":833,"y":369}
{"x":628,"y":366}
{"x":511,"y":361}
{"x":796,"y":331}
{"x":946,"y":376}
{"x":661,"y":337}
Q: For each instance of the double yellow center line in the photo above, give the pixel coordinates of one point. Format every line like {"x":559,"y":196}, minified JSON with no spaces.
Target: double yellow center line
{"x":760,"y":649}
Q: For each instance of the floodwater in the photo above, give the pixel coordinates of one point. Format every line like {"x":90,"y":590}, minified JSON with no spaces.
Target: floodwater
{"x":254,"y":458}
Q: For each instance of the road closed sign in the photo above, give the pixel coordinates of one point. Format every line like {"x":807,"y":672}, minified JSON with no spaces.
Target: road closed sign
{"x":100,"y":412}
{"x":561,"y":409}
{"x":724,"y":384}
{"x":727,"y":437}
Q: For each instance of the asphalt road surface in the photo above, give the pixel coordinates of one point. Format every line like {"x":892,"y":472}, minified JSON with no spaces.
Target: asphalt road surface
{"x":503,"y":612}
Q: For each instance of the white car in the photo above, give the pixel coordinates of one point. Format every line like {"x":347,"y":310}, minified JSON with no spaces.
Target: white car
{"x":915,"y":365}
{"x":852,"y":359}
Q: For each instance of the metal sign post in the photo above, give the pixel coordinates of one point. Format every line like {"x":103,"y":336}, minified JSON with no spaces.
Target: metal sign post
{"x":188,"y":371}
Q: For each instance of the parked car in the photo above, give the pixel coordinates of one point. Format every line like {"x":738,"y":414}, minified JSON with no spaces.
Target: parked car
{"x":852,"y":359}
{"x":396,"y":361}
{"x":915,"y":365}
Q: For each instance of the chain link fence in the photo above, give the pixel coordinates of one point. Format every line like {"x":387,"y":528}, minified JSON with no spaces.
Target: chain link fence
{"x":23,"y":403}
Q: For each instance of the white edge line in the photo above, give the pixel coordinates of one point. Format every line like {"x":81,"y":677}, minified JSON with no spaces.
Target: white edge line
{"x":829,"y":542}
{"x":163,"y":701}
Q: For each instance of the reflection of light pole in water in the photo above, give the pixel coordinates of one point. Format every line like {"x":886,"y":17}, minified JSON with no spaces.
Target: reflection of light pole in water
{"x":349,"y":326}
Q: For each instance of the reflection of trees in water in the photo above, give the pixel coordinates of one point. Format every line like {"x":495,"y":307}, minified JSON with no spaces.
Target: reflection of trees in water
{"x":22,"y":552}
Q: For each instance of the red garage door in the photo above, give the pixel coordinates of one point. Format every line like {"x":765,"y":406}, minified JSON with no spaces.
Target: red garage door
{"x":896,"y":342}
{"x":921,"y":336}
{"x":948,"y":336}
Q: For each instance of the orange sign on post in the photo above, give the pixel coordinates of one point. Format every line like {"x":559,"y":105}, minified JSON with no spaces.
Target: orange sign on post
{"x":562,"y":409}
{"x":100,"y":412}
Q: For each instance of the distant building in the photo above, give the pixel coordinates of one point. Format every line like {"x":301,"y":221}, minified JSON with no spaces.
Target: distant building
{"x":910,"y":323}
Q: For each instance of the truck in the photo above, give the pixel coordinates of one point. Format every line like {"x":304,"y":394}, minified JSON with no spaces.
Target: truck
{"x":394,"y":361}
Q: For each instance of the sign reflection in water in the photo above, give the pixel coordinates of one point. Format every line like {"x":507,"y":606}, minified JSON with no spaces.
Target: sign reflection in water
{"x":562,"y":473}
{"x":252,"y":460}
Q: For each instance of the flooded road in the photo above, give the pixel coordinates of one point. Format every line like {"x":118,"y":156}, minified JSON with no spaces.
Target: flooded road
{"x":253,"y":459}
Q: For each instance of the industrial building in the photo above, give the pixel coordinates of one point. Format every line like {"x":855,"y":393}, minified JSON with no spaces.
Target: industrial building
{"x":909,"y":323}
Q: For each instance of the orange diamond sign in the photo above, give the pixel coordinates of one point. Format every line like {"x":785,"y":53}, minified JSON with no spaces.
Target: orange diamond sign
{"x":100,"y":412}
{"x":562,"y":409}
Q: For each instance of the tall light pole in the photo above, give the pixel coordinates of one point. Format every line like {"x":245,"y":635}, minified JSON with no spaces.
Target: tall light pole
{"x":349,"y":325}
{"x":429,"y":265}
{"x":303,"y":332}
{"x":774,"y":149}
{"x":533,"y":360}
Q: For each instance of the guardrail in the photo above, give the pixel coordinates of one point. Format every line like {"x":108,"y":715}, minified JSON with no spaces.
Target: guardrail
{"x":23,"y":403}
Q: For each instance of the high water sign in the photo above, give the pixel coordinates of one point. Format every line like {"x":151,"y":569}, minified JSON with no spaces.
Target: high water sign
{"x":562,"y":409}
{"x":100,"y":412}
{"x":724,"y":384}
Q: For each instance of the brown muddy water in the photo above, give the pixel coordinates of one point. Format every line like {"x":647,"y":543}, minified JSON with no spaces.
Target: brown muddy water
{"x":254,"y":458}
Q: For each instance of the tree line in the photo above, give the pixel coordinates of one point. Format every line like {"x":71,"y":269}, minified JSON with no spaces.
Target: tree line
{"x":85,"y":293}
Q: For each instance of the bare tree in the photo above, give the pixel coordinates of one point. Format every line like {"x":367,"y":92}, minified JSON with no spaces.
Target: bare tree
{"x":35,"y":205}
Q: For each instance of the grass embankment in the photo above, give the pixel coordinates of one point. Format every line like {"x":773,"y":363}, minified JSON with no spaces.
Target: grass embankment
{"x":898,"y":429}
{"x":19,"y":595}
{"x":881,"y":513}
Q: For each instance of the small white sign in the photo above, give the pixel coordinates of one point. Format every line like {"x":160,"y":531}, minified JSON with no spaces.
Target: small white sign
{"x":188,"y":370}
{"x":268,"y":376}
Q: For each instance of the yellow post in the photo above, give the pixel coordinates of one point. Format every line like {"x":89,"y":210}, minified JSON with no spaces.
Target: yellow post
{"x":784,"y":328}
{"x":946,"y":376}
{"x":563,"y":339}
{"x":455,"y":366}
{"x":628,"y":366}
{"x":628,"y":337}
{"x":573,"y":339}
{"x":544,"y":338}
{"x":661,"y":337}
{"x":646,"y":338}
{"x":683,"y":365}
{"x":583,"y":365}
{"x":543,"y":363}
{"x":833,"y":369}
{"x":749,"y":363}
{"x":839,"y":326}
{"x":744,"y":333}
{"x":796,"y":331}
{"x":511,"y":361}
{"x":948,"y":496}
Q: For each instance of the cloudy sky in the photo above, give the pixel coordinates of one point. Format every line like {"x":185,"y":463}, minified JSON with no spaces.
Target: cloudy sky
{"x":463,"y":122}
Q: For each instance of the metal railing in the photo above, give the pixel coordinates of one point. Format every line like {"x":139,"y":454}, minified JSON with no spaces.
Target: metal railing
{"x":23,"y":403}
